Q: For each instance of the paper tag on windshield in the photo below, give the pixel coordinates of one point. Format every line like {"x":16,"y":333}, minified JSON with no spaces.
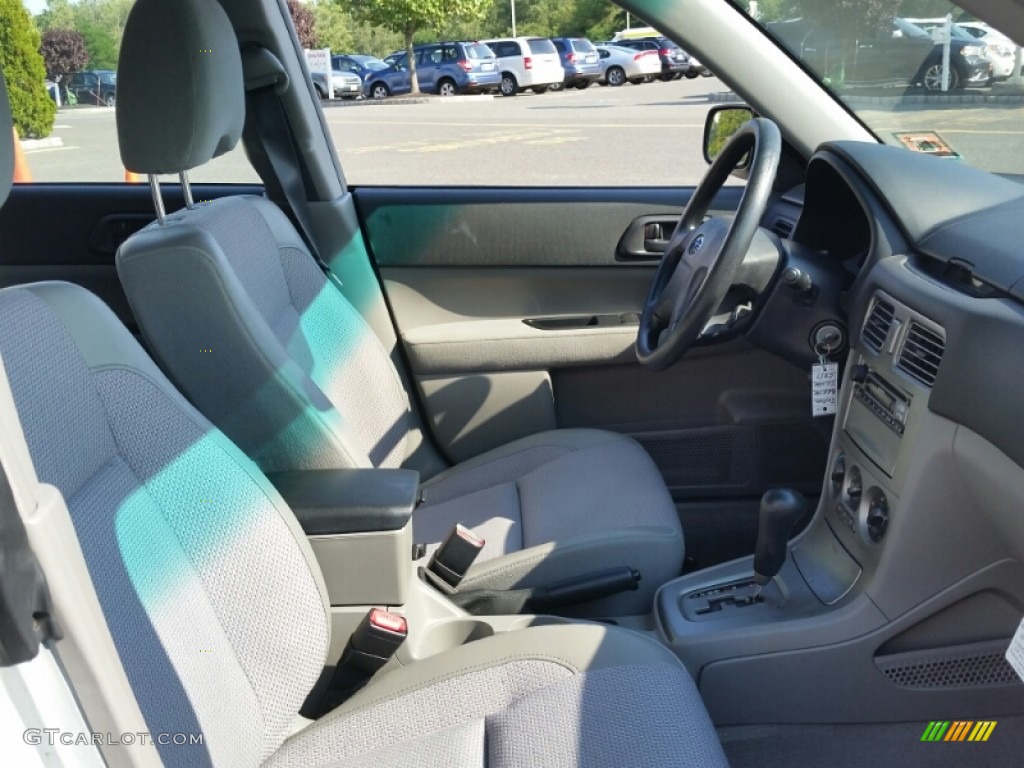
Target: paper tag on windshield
{"x":824,"y":389}
{"x":1015,"y":653}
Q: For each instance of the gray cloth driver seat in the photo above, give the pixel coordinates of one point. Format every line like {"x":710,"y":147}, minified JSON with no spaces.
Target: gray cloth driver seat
{"x":238,"y":313}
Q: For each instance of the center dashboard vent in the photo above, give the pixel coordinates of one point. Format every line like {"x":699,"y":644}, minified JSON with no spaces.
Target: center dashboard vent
{"x":921,"y":353}
{"x":876,"y":327}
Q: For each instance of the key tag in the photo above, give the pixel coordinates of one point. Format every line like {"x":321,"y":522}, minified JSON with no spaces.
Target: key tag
{"x":824,"y":384}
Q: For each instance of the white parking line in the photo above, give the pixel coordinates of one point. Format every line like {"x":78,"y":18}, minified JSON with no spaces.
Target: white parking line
{"x":47,"y":149}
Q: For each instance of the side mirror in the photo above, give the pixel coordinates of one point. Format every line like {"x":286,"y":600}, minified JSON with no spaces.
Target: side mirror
{"x":721,"y":123}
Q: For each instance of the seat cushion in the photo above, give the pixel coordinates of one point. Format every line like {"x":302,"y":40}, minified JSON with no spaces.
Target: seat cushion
{"x":548,"y":696}
{"x":557,"y":505}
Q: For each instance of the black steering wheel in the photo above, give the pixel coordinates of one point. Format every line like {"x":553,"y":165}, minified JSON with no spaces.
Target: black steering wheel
{"x":702,"y":257}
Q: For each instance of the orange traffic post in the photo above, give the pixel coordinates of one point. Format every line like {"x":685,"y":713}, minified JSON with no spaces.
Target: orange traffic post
{"x":133,"y":178}
{"x":21,"y":172}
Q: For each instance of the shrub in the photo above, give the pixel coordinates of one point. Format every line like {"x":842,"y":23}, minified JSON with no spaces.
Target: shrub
{"x":23,"y":68}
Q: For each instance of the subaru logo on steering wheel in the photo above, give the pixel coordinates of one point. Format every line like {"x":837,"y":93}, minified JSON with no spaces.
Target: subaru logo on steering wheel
{"x":697,"y":244}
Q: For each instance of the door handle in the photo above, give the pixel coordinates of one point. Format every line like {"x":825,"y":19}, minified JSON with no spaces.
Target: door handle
{"x":654,"y":237}
{"x":113,"y":230}
{"x":646,"y":238}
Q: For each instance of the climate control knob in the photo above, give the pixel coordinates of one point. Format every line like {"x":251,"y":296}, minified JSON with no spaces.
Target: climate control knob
{"x":854,"y":487}
{"x":838,"y":474}
{"x":878,"y":516}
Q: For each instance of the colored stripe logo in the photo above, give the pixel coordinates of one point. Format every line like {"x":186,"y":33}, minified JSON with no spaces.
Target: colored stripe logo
{"x":958,"y":730}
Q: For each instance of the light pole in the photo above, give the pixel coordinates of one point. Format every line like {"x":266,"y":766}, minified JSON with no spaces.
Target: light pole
{"x":513,"y":18}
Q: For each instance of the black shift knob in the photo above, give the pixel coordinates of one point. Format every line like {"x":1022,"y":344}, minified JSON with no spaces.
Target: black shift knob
{"x":780,"y":510}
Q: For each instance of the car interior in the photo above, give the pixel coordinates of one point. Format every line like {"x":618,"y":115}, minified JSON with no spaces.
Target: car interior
{"x":512,"y":476}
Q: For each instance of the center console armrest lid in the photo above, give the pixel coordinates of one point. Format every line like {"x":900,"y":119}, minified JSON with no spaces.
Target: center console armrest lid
{"x":339,"y":501}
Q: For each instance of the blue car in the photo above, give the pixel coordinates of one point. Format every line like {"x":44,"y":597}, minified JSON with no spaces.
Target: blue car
{"x":442,"y":68}
{"x":580,"y":61}
{"x":358,"y":64}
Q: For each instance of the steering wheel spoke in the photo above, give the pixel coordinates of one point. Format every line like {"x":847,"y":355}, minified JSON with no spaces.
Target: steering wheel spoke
{"x":704,"y":255}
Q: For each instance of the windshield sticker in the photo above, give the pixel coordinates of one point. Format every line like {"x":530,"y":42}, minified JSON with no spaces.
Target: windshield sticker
{"x":928,"y":142}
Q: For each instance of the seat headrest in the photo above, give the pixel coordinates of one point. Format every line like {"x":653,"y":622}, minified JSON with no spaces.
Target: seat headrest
{"x":180,"y":90}
{"x":6,"y":143}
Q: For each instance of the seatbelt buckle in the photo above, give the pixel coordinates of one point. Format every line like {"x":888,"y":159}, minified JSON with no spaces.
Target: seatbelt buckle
{"x":456,"y":554}
{"x":377,"y":638}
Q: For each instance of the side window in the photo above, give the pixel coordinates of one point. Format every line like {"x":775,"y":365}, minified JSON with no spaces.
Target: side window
{"x":560,"y":45}
{"x":450,"y":53}
{"x":81,"y":138}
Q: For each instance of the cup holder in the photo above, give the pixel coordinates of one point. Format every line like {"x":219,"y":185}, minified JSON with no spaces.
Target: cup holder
{"x":451,"y":634}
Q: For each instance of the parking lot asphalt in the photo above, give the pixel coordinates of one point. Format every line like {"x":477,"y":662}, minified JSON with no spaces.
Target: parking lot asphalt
{"x":646,"y":135}
{"x":631,"y":135}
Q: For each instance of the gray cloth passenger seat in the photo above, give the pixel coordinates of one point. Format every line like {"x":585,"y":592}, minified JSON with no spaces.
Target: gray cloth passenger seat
{"x":218,"y":610}
{"x":237,"y":312}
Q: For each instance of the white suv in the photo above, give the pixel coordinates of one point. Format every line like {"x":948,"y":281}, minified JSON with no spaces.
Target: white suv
{"x":527,"y":62}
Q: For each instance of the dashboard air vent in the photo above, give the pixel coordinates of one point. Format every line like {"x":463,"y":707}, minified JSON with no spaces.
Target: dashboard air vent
{"x":921,"y":354}
{"x":876,"y":327}
{"x":783,"y":227}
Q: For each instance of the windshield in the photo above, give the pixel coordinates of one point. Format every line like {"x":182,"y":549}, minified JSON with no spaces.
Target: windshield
{"x":890,"y":71}
{"x":368,"y":62}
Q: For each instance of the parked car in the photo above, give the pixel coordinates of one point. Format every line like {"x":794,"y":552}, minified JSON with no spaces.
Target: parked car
{"x":347,"y":85}
{"x":94,"y":86}
{"x":442,"y":68}
{"x":1006,"y":48}
{"x":697,"y":68}
{"x":999,"y":50}
{"x":357,"y":63}
{"x":621,"y":65}
{"x":674,"y":61}
{"x":903,"y":54}
{"x":579,"y":60}
{"x":527,"y":62}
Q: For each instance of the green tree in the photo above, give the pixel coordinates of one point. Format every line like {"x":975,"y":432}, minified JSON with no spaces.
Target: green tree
{"x":101,"y":44}
{"x":334,"y":27}
{"x":101,"y":23}
{"x":59,"y":14}
{"x":22,"y":64}
{"x":407,"y":17}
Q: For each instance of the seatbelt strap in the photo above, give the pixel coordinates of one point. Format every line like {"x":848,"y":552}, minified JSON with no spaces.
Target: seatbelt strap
{"x":275,"y":133}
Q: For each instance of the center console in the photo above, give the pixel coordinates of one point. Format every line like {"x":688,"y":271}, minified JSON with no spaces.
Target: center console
{"x":879,"y":601}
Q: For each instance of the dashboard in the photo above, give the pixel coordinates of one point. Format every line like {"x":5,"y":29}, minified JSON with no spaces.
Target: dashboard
{"x":934,"y":374}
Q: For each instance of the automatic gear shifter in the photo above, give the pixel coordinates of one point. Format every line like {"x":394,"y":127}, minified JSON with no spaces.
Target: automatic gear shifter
{"x":781,"y":508}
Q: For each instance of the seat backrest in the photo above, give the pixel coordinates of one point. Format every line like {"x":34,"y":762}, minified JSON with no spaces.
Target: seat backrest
{"x":227,"y":295}
{"x":211,"y":593}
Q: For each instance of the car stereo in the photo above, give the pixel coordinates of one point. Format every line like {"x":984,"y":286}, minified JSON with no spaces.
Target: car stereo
{"x":877,"y":418}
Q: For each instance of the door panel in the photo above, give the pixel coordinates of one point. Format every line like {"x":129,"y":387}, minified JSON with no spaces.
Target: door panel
{"x":71,"y":232}
{"x":484,"y":266}
{"x":511,"y":227}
